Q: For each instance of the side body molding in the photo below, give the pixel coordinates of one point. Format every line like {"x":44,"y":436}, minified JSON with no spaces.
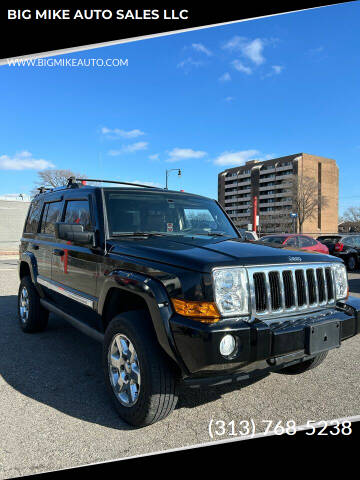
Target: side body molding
{"x":155,"y":296}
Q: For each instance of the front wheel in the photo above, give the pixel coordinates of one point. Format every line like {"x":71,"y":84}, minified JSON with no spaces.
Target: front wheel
{"x":139,"y":376}
{"x":304,"y":366}
{"x":32,"y":316}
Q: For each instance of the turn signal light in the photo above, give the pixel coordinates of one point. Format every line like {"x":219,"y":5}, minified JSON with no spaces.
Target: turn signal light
{"x":205,"y":312}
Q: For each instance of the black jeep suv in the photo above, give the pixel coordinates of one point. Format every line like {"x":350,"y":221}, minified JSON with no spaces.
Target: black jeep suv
{"x":166,"y":282}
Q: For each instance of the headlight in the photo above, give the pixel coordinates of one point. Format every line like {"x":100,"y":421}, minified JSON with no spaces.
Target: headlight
{"x":231,"y":291}
{"x":341,"y":281}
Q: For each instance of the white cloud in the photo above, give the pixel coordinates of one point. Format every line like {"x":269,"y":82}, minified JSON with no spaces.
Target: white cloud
{"x":226,"y":77}
{"x":251,"y":49}
{"x":154,"y":156}
{"x":23,"y":161}
{"x":240,"y":67}
{"x":235,"y":43}
{"x":178,"y":154}
{"x":277,"y":69}
{"x":118,"y":133}
{"x":315,"y":51}
{"x":229,"y":99}
{"x":239,"y":158}
{"x":188,"y":63}
{"x":199,"y":47}
{"x":133,"y":147}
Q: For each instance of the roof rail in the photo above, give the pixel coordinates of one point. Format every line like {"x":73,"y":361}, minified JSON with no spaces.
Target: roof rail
{"x":43,"y":189}
{"x":72,"y":181}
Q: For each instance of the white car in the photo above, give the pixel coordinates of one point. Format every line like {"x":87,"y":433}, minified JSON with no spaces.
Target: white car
{"x":248,"y":234}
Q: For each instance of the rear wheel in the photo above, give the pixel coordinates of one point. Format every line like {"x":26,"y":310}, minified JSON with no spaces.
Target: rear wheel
{"x":32,"y":316}
{"x":139,"y":376}
{"x":351,"y":263}
{"x":304,"y":366}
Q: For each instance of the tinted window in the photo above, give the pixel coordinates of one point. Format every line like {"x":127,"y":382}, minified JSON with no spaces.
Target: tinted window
{"x":357,"y":241}
{"x":348,"y":240}
{"x":78,"y":211}
{"x":33,"y":218}
{"x":306,"y":242}
{"x":51,"y":215}
{"x":278,"y":240}
{"x":292,"y":242}
{"x":328,"y":239}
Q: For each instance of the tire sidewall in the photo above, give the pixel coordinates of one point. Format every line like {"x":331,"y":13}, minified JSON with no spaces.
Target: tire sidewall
{"x":38,"y":317}
{"x":303,"y":367}
{"x":25,"y":283}
{"x":121,"y":325}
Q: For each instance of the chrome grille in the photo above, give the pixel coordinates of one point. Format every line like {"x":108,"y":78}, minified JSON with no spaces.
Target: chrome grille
{"x":290,"y":288}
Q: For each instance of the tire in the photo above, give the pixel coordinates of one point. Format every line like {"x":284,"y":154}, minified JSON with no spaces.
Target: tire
{"x":32,"y":316}
{"x":351,"y":263}
{"x":153,"y":379}
{"x":304,"y":366}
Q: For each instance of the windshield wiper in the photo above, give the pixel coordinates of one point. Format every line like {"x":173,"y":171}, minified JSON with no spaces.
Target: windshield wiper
{"x":211,"y":234}
{"x":137,"y":234}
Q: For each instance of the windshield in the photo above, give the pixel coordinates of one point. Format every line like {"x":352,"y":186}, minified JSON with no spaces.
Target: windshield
{"x":333,"y":239}
{"x":164,"y":213}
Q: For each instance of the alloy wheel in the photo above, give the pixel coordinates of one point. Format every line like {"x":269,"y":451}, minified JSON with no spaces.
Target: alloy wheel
{"x":24,"y":305}
{"x":124,"y":370}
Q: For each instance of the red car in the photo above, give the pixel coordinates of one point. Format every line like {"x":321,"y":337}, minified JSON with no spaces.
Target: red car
{"x":303,"y":242}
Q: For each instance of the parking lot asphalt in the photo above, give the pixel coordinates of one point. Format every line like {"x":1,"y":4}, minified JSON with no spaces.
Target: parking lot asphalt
{"x":55,"y":413}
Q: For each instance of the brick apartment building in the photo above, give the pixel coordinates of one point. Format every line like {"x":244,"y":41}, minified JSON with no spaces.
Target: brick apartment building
{"x":272,"y":181}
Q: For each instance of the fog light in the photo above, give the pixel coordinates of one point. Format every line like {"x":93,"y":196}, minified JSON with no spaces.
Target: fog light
{"x":227,"y":345}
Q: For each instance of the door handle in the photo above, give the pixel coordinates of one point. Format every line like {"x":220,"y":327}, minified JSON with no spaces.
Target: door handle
{"x":34,"y":247}
{"x":58,"y":252}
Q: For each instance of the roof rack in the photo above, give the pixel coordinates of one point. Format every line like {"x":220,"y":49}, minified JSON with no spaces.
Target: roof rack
{"x":72,"y":182}
{"x":43,"y":189}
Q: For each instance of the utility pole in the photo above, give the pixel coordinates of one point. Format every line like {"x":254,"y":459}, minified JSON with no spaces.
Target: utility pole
{"x":167,"y":175}
{"x":294,"y":217}
{"x":254,"y":213}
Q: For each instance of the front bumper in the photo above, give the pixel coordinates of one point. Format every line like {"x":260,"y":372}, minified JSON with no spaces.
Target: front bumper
{"x":261,"y":346}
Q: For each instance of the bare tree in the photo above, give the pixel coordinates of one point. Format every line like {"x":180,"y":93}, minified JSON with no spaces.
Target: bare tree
{"x":52,"y":178}
{"x":352,"y":214}
{"x":306,"y":199}
{"x":350,"y":220}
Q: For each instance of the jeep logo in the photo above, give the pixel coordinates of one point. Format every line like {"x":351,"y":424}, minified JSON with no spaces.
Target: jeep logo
{"x":295,"y":259}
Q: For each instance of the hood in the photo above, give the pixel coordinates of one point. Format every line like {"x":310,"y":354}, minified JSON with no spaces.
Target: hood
{"x":201,"y":253}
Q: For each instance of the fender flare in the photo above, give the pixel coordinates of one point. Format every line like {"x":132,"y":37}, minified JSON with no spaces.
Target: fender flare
{"x":157,"y":301}
{"x":30,"y":259}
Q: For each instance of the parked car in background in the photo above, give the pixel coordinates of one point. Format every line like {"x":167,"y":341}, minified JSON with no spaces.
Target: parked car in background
{"x":303,"y":242}
{"x":346,"y":247}
{"x":248,"y":234}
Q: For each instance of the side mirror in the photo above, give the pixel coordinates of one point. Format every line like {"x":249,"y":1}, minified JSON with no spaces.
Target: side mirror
{"x":74,"y":232}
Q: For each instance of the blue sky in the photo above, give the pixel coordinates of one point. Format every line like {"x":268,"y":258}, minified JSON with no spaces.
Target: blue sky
{"x":201,"y":101}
